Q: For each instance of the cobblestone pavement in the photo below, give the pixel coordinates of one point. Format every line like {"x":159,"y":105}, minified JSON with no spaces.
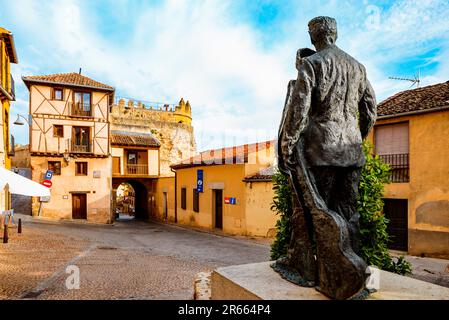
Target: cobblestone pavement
{"x":127,"y":260}
{"x":131,"y":260}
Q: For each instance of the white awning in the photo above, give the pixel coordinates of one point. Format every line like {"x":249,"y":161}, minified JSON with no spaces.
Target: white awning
{"x":21,"y":185}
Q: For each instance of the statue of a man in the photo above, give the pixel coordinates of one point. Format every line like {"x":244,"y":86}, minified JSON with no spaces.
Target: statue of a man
{"x":328,"y":112}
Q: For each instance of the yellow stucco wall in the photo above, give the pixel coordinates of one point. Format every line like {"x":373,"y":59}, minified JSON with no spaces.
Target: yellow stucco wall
{"x":164,"y":185}
{"x":5,"y":82}
{"x":260,"y":219}
{"x":60,"y":206}
{"x":428,"y":189}
{"x":225,"y":177}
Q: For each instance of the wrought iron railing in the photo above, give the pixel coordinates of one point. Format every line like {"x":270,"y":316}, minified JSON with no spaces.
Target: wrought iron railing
{"x":399,"y":165}
{"x":136,"y":169}
{"x":12,"y":88}
{"x":80,"y":147}
{"x":80,"y":109}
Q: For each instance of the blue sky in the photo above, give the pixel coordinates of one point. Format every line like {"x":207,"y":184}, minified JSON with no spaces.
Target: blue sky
{"x":231,"y":58}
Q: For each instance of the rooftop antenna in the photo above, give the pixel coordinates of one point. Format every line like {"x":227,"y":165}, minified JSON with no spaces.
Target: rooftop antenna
{"x":414,"y":80}
{"x":80,"y":71}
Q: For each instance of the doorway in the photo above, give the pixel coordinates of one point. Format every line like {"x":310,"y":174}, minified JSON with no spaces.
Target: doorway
{"x":125,"y":203}
{"x":396,"y":211}
{"x":165,"y":206}
{"x":79,"y":206}
{"x":218,"y":208}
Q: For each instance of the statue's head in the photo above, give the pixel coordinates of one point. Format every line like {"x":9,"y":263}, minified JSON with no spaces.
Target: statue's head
{"x":323,"y":31}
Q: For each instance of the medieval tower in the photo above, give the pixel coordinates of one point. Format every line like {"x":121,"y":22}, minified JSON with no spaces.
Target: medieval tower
{"x":170,"y":124}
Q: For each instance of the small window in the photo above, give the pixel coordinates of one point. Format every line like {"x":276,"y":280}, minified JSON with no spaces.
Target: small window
{"x":184,"y":198}
{"x":81,"y":168}
{"x":196,"y":201}
{"x":55,"y":166}
{"x":58,"y":94}
{"x":58,"y":131}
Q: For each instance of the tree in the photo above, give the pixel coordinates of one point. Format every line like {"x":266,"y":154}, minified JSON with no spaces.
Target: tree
{"x":373,"y":223}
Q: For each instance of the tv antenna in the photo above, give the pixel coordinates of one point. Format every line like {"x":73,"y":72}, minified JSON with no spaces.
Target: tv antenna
{"x":414,"y":80}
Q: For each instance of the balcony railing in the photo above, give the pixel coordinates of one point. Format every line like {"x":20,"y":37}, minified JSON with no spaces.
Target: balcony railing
{"x":136,"y":169}
{"x":8,"y":92}
{"x":80,"y":109}
{"x":80,"y":147}
{"x":399,"y":165}
{"x":12,"y":88}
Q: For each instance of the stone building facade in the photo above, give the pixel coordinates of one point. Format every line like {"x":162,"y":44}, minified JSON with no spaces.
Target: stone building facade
{"x":171,"y":125}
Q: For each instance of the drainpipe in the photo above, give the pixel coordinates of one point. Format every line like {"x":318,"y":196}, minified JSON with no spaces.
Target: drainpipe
{"x":176,"y":197}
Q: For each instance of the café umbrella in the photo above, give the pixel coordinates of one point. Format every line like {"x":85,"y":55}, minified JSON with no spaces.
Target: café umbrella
{"x":21,"y":185}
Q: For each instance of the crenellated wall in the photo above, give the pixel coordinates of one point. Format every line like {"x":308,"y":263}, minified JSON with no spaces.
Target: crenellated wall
{"x":170,"y":125}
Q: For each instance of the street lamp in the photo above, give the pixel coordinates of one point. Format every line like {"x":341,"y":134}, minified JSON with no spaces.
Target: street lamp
{"x":19,"y":122}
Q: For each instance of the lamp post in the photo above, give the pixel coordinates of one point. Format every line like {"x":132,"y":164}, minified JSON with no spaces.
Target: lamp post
{"x":19,"y":122}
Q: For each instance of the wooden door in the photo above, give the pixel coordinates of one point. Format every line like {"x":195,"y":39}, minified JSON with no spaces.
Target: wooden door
{"x":79,"y":206}
{"x":218,"y":209}
{"x":116,"y":165}
{"x":396,"y":211}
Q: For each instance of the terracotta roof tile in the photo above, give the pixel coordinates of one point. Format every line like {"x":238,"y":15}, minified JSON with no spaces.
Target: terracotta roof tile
{"x":230,"y":155}
{"x":133,"y":139}
{"x":421,"y":99}
{"x":68,"y":79}
{"x":264,"y":175}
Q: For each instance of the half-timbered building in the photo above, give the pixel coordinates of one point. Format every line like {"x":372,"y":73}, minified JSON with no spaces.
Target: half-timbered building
{"x":69,"y":135}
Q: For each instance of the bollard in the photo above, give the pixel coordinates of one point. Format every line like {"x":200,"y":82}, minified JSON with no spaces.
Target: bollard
{"x":19,"y":227}
{"x":5,"y":234}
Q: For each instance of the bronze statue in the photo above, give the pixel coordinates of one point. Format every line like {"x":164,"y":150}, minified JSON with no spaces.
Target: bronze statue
{"x":328,"y":112}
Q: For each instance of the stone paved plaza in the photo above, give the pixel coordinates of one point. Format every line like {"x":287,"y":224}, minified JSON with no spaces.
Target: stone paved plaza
{"x":131,"y":260}
{"x":127,"y":260}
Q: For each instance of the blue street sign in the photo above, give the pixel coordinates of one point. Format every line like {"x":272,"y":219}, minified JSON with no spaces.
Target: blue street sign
{"x":232,"y":201}
{"x":48,"y":175}
{"x":199,"y":181}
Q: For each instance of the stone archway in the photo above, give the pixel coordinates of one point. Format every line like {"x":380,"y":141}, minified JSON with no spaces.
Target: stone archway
{"x":141,"y":194}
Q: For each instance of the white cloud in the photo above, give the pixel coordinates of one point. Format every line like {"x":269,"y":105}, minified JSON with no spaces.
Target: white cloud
{"x":198,"y":50}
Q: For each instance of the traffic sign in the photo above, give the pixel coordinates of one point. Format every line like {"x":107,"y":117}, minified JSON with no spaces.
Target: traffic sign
{"x":199,"y":181}
{"x":47,"y":183}
{"x":48,"y":175}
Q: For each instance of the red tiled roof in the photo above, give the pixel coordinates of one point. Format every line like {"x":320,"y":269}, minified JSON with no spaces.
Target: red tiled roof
{"x":74,"y":79}
{"x":133,"y":139}
{"x":422,"y":99}
{"x":264,"y":175}
{"x":230,"y":155}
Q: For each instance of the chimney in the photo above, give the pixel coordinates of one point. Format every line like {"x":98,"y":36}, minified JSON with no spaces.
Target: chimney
{"x":80,"y":71}
{"x":166,"y":107}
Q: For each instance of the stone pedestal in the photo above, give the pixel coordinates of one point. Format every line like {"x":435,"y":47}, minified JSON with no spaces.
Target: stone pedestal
{"x":258,"y":281}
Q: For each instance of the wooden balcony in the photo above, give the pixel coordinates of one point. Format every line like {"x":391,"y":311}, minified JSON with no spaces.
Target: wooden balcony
{"x":80,"y":110}
{"x":8,"y":89}
{"x":136,"y":169}
{"x":76,"y":147}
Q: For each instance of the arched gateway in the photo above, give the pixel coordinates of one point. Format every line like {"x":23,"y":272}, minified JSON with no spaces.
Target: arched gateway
{"x":135,"y":168}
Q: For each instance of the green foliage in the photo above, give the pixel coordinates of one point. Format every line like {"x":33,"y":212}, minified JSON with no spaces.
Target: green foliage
{"x":373,"y":224}
{"x":282,"y":204}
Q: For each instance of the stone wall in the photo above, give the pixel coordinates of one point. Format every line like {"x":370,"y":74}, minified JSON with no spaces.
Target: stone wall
{"x":177,"y":139}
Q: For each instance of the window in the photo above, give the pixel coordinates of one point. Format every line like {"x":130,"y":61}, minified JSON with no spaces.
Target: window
{"x":55,"y":166}
{"x":82,"y":104}
{"x":196,"y":201}
{"x":58,"y":131}
{"x":58,"y":94}
{"x":81,"y":139}
{"x":184,"y":198}
{"x":81,"y":168}
{"x":392,"y":146}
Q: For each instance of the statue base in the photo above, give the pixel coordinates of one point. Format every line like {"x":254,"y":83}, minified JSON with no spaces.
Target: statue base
{"x":258,"y":281}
